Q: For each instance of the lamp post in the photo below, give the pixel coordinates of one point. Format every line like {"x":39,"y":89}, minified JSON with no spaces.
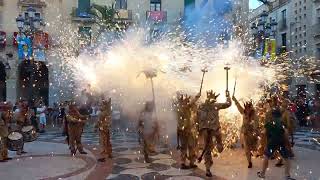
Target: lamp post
{"x":29,"y":25}
{"x":263,"y":30}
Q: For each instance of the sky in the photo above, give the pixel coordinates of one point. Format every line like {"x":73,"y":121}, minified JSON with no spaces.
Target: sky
{"x":254,"y":4}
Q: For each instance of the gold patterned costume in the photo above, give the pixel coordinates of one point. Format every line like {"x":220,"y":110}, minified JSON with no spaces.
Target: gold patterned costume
{"x":104,"y":125}
{"x":186,"y":129}
{"x":208,"y":117}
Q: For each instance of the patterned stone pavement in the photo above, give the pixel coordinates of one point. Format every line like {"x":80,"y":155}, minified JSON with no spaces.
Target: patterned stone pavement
{"x":128,"y":162}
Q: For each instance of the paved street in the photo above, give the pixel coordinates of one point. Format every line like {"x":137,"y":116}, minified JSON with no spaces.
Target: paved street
{"x":128,"y":162}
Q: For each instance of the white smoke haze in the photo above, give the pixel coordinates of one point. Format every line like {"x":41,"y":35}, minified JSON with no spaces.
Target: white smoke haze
{"x":116,"y":70}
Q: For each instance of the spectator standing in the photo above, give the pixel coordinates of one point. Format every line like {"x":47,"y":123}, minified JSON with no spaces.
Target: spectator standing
{"x":41,"y":110}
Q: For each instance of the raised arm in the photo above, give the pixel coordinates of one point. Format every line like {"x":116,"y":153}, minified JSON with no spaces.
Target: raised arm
{"x":195,"y":99}
{"x":240,"y":108}
{"x":224,"y":105}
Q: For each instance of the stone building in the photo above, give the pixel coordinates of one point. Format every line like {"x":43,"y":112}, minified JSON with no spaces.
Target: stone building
{"x":70,"y":27}
{"x":297,"y":33}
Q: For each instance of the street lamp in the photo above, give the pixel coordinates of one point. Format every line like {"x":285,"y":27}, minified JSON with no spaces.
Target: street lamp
{"x":29,"y":25}
{"x":20,"y":22}
{"x":264,"y":15}
{"x":263,"y":30}
{"x":274,"y":25}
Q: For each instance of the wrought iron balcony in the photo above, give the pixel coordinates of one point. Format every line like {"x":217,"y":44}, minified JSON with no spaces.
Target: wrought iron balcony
{"x":123,"y":15}
{"x":33,"y":3}
{"x":157,"y":16}
{"x":283,"y":25}
{"x":81,"y":16}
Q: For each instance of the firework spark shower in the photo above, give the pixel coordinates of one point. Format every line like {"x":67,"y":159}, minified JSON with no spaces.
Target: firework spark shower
{"x":116,"y":71}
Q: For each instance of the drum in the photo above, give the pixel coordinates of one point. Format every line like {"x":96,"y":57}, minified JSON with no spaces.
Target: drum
{"x":29,"y":133}
{"x":15,"y":141}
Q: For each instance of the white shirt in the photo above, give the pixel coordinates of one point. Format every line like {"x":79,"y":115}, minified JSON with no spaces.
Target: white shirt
{"x":41,"y":111}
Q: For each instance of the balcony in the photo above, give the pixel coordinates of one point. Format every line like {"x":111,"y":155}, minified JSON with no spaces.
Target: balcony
{"x":157,"y":16}
{"x":33,"y":3}
{"x":282,"y":25}
{"x":123,"y":15}
{"x":81,"y":16}
{"x":316,"y":30}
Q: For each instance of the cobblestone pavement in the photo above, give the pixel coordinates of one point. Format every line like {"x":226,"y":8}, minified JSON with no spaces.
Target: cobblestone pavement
{"x":128,"y":162}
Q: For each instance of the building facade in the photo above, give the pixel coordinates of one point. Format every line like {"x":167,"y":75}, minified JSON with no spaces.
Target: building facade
{"x":70,"y":27}
{"x":297,"y":34}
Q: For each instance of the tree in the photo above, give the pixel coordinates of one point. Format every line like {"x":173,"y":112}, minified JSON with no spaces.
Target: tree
{"x":104,"y":16}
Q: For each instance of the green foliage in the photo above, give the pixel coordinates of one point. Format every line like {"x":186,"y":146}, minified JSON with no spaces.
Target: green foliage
{"x":104,"y":16}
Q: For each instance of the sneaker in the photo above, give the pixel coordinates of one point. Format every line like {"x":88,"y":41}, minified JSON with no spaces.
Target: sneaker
{"x":83,"y":152}
{"x":193,"y":166}
{"x":208,"y":173}
{"x":261,"y":175}
{"x":279,"y":164}
{"x":147,"y":160}
{"x":183,"y":166}
{"x":101,"y":159}
{"x":289,"y":178}
{"x":250,"y":165}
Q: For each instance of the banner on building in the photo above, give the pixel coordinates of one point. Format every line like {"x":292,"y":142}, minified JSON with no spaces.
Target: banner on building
{"x":39,"y":55}
{"x":24,"y":46}
{"x":41,"y":40}
{"x":270,"y":49}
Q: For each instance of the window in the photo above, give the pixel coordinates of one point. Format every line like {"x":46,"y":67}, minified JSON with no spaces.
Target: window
{"x":155,"y":5}
{"x":296,"y":45}
{"x":300,"y":10}
{"x":300,"y":35}
{"x":296,"y":29}
{"x":305,"y":34}
{"x":83,"y":5}
{"x":305,"y":50}
{"x":304,"y":27}
{"x":121,"y":4}
{"x":300,"y":50}
{"x":305,"y":15}
{"x":296,"y":37}
{"x":284,"y":39}
{"x":300,"y":29}
{"x":300,"y":2}
{"x":304,"y":1}
{"x":296,"y":12}
{"x":284,"y":16}
{"x":295,"y":4}
{"x":305,"y":42}
{"x":300,"y":44}
{"x":305,"y":8}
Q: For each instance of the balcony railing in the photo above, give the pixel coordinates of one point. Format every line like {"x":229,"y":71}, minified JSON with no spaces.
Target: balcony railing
{"x":81,"y":16}
{"x":316,"y":29}
{"x":157,"y":16}
{"x":123,"y":15}
{"x":33,"y":3}
{"x":283,"y":25}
